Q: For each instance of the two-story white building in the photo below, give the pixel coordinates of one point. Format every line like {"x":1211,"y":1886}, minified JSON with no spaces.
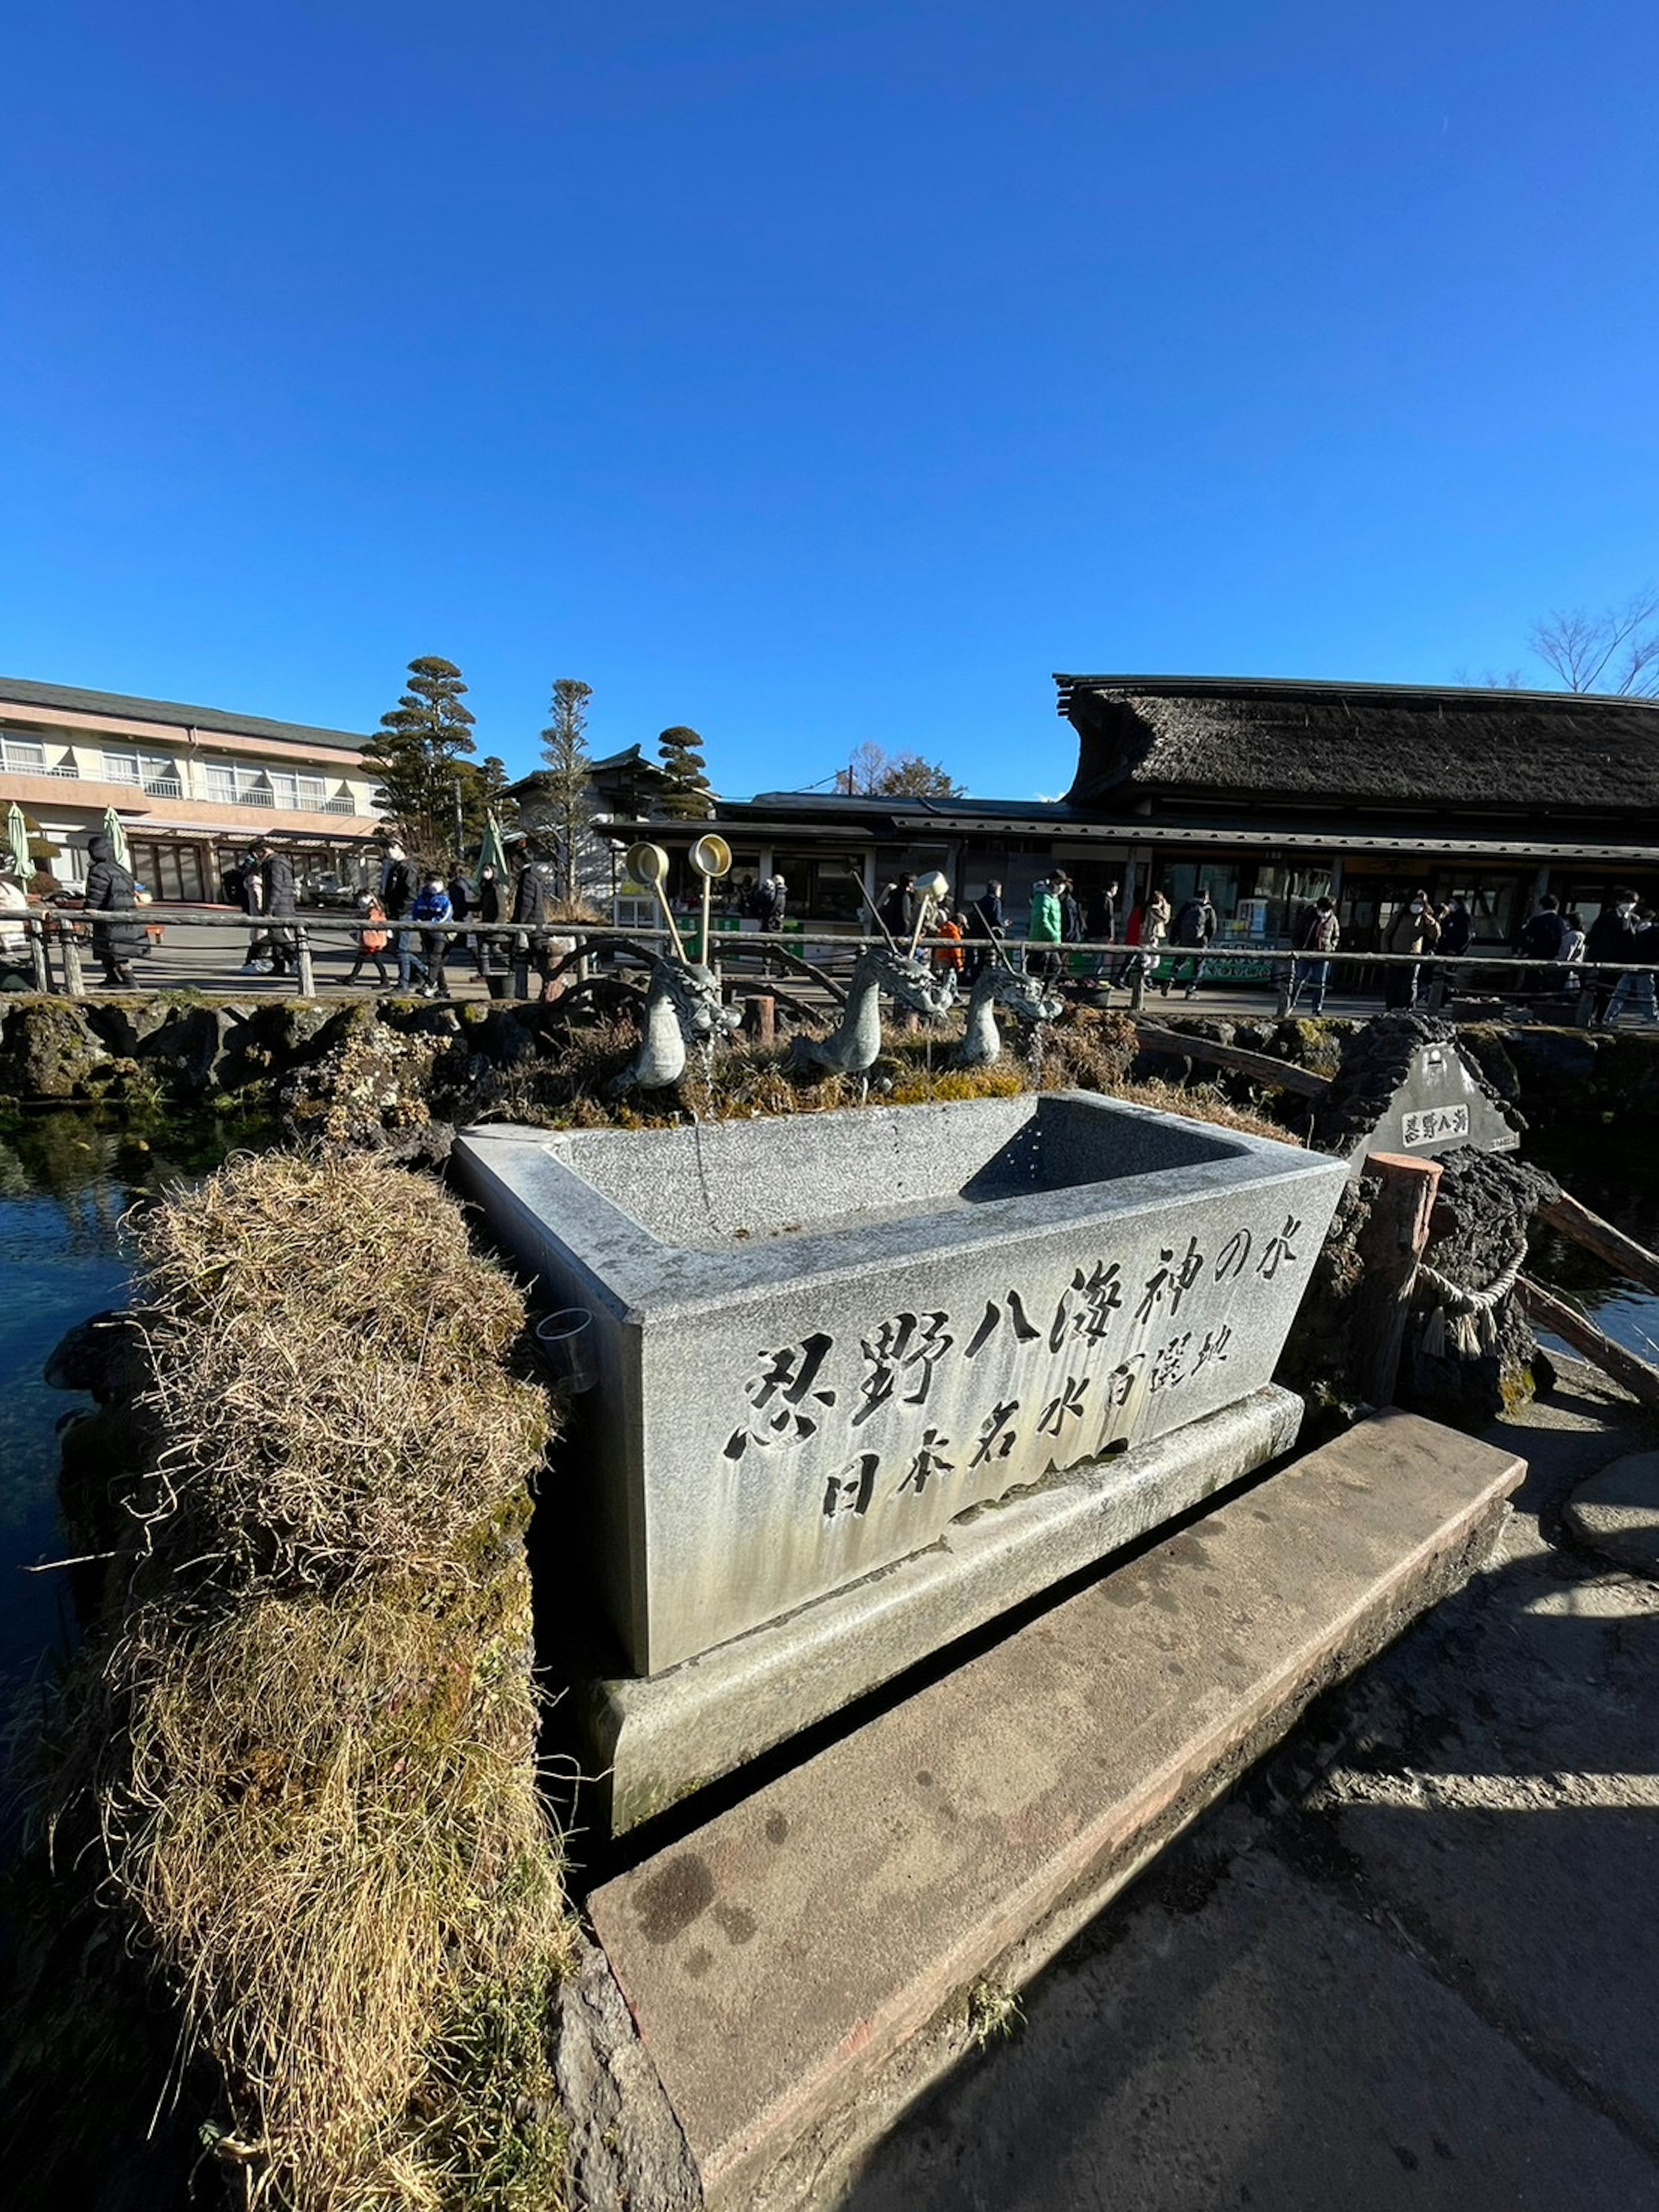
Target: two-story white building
{"x":191,"y":785}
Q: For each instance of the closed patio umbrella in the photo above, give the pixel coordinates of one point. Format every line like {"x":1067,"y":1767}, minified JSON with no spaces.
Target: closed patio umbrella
{"x":491,"y":852}
{"x":17,"y":837}
{"x":116,"y":835}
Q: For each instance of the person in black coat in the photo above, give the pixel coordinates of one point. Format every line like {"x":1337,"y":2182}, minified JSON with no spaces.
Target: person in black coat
{"x":897,"y":909}
{"x":489,"y":909}
{"x":1456,"y":928}
{"x":110,"y":886}
{"x":987,"y":924}
{"x":529,"y":911}
{"x":1071,"y":913}
{"x":277,"y":881}
{"x":1612,"y":937}
{"x":1101,"y":925}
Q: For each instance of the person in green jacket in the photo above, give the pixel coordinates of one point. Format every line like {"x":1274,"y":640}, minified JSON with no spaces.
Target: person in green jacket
{"x":1043,"y":930}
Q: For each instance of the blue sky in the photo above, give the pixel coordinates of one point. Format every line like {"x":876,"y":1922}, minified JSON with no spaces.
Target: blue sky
{"x":817,"y":372}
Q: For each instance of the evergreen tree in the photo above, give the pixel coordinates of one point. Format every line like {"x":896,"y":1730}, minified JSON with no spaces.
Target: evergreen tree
{"x":871,"y":773}
{"x":419,"y":754}
{"x":492,"y":793}
{"x":564,"y":802}
{"x":687,"y":797}
{"x":907,"y":775}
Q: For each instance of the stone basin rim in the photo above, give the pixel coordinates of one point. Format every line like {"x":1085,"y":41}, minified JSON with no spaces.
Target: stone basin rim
{"x":649,"y":1278}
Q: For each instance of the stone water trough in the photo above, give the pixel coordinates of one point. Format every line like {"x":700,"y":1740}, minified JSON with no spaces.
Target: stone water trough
{"x":829,"y":1344}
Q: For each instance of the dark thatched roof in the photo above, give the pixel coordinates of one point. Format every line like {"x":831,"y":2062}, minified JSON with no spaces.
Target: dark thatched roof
{"x":1246,"y":740}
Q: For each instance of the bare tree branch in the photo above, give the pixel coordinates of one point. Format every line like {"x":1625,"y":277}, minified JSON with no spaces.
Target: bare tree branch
{"x":1581,"y":647}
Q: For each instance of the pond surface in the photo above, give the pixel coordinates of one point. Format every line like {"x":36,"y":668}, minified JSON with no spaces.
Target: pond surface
{"x":1627,"y":1312}
{"x":65,"y":1182}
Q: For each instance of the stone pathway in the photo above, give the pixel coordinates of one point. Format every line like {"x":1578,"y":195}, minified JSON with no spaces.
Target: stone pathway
{"x":1616,"y":1513}
{"x":1411,"y":1963}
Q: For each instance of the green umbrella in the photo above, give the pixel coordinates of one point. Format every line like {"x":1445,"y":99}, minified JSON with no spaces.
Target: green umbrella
{"x":17,"y":837}
{"x":116,"y":835}
{"x":491,"y":852}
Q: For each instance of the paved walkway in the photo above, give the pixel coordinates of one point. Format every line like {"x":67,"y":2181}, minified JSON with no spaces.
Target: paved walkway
{"x":1421,"y":1977}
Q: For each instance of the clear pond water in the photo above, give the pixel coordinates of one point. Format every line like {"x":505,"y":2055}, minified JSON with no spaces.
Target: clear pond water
{"x":65,"y":1182}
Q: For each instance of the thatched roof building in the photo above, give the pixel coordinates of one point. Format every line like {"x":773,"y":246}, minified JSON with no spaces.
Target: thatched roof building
{"x":1155,"y":745}
{"x":1270,"y":792}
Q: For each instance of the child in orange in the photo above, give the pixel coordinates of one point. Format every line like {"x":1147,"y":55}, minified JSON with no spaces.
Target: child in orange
{"x":949,"y":955}
{"x":371,"y":941}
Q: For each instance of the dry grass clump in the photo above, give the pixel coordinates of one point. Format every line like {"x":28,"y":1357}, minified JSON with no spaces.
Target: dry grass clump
{"x":304,"y":1753}
{"x":328,"y":1826}
{"x":1203,"y":1103}
{"x":327,"y":1367}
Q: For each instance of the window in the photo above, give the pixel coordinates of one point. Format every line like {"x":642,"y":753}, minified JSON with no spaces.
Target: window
{"x":22,"y":756}
{"x":237,"y":787}
{"x":168,"y":871}
{"x":151,"y":772}
{"x":304,"y":791}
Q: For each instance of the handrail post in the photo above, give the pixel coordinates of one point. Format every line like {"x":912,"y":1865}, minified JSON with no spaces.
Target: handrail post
{"x":36,"y":929}
{"x":305,"y":982}
{"x":74,"y":983}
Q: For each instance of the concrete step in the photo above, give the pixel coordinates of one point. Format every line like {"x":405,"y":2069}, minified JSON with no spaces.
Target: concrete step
{"x":781,"y":1954}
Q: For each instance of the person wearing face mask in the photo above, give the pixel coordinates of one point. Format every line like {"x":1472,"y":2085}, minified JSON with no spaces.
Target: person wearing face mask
{"x":1415,"y":931}
{"x":1611,"y":939}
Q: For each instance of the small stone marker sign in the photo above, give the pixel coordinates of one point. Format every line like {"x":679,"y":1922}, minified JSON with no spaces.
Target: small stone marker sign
{"x":1435,"y":1125}
{"x":1439,"y":1104}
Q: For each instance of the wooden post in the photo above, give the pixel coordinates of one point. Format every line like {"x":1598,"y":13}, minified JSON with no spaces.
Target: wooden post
{"x":1631,"y":1373}
{"x":1600,"y":1237}
{"x":73,"y":982}
{"x":1390,"y":1245}
{"x":1138,"y":986}
{"x":37,"y":936}
{"x":760,"y":1018}
{"x":304,"y":981}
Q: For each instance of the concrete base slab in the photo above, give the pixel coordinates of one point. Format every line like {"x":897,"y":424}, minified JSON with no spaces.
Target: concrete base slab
{"x":659,"y":1739}
{"x":781,"y":1954}
{"x":1616,"y":1513}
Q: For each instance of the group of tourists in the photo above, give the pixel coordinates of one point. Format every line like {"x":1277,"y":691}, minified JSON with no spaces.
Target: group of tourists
{"x":1426,"y":936}
{"x":413,"y":899}
{"x":262,"y":886}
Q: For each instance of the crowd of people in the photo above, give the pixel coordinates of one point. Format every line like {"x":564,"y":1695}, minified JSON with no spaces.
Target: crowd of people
{"x":1174,"y":949}
{"x":1087,"y":940}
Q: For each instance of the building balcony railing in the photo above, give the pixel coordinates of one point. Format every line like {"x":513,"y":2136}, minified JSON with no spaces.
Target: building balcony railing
{"x":173,"y":786}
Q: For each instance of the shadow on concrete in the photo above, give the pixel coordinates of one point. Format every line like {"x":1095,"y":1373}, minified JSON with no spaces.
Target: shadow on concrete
{"x":1411,"y":1963}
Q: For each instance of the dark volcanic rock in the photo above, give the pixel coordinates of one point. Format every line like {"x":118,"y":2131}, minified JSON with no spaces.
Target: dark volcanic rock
{"x":1376,"y":1060}
{"x":1477,"y":1231}
{"x":48,"y":1049}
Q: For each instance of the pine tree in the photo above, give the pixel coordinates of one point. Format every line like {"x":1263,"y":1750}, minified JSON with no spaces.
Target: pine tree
{"x":871,"y":773}
{"x":418,"y":756}
{"x":907,"y":775}
{"x":564,"y":802}
{"x":687,"y":797}
{"x":493,"y":792}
